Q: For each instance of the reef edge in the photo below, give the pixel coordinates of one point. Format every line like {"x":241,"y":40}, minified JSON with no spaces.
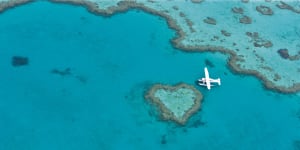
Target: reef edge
{"x":124,"y":6}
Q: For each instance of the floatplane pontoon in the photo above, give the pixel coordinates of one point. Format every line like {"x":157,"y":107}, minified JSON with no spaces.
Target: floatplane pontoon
{"x":208,"y":81}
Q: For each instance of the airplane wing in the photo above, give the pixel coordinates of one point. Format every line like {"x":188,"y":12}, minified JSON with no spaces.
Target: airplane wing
{"x":208,"y":85}
{"x":207,"y":79}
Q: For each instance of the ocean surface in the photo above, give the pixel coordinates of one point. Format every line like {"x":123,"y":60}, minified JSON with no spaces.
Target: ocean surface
{"x":83,"y":87}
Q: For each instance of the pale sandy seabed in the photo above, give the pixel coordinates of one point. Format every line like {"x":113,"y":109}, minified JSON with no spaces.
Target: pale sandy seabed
{"x":251,"y":32}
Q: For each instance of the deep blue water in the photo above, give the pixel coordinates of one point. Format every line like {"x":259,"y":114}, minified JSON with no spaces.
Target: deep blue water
{"x":112,"y":62}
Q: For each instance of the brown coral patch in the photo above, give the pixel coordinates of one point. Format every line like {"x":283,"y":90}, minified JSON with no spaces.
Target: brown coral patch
{"x":284,"y":5}
{"x":181,"y":14}
{"x":188,"y":21}
{"x":210,"y":20}
{"x":18,"y":61}
{"x":196,"y":1}
{"x":12,"y":3}
{"x":225,"y":33}
{"x":295,"y":57}
{"x":253,"y":35}
{"x":267,"y":68}
{"x":284,"y":53}
{"x":277,"y":77}
{"x":175,"y":7}
{"x":237,"y":10}
{"x":263,"y":43}
{"x":245,"y":20}
{"x":151,"y":1}
{"x":190,"y":24}
{"x":258,"y":41}
{"x":264,"y":10}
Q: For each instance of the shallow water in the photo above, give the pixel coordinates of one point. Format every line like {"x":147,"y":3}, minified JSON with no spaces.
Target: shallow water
{"x":112,"y":61}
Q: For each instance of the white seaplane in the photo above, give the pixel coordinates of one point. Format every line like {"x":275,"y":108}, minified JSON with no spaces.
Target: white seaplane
{"x":207,"y":81}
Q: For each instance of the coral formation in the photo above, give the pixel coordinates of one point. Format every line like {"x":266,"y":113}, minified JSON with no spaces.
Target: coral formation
{"x":17,"y":61}
{"x":188,"y":21}
{"x":176,"y":103}
{"x":225,"y":33}
{"x":196,"y":1}
{"x":258,"y":41}
{"x":183,"y":35}
{"x":210,"y":20}
{"x":11,"y":3}
{"x":284,"y":5}
{"x":284,"y":53}
{"x":237,"y":10}
{"x":264,"y":10}
{"x":64,"y":72}
{"x":245,"y":20}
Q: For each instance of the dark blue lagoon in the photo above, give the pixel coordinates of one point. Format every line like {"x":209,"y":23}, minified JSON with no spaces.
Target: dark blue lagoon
{"x":72,"y":80}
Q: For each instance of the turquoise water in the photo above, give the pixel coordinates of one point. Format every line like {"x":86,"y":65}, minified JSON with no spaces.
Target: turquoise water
{"x":100,"y":104}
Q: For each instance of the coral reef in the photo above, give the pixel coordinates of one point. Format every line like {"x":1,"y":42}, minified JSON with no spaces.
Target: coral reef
{"x":258,"y":41}
{"x":196,"y":1}
{"x":188,"y":21}
{"x":237,"y":10}
{"x":11,"y":3}
{"x":264,"y":10}
{"x":18,"y":61}
{"x":210,"y":20}
{"x":252,"y":57}
{"x":284,"y":53}
{"x":182,"y":36}
{"x":284,"y":5}
{"x":245,"y":20}
{"x":225,"y":33}
{"x":176,"y":103}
